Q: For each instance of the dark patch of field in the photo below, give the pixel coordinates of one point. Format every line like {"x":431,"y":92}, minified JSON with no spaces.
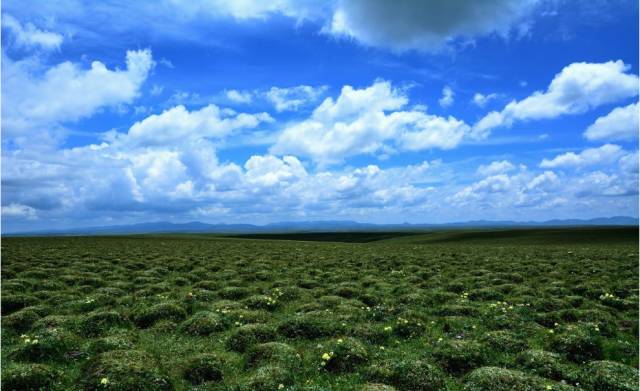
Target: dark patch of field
{"x":517,"y":236}
{"x":481,"y":310}
{"x":345,"y":237}
{"x":523,"y":236}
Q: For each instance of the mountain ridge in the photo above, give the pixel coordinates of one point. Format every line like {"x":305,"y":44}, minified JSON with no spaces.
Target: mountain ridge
{"x":315,"y":226}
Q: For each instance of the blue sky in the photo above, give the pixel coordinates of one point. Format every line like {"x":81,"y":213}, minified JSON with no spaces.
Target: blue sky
{"x":375,"y":111}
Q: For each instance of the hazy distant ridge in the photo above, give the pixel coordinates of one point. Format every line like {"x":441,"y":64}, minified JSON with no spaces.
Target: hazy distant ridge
{"x":317,"y":226}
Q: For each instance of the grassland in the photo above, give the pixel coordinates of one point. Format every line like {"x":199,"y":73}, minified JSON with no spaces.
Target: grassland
{"x":459,"y":310}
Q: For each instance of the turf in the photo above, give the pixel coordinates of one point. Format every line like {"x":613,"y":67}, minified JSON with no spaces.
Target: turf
{"x":457,"y":310}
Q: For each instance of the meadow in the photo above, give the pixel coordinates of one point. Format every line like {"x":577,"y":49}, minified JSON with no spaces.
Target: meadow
{"x":543,"y":309}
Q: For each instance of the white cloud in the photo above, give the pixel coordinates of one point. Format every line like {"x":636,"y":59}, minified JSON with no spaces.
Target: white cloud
{"x":496,"y":167}
{"x":420,"y":131}
{"x":15,"y":210}
{"x":599,"y":183}
{"x":167,"y":63}
{"x":269,"y":170}
{"x":605,"y":154}
{"x":481,"y":100}
{"x":157,"y":172}
{"x":524,"y":189}
{"x":177,"y":124}
{"x":576,"y":89}
{"x":620,"y":124}
{"x":66,"y":92}
{"x":156,"y":90}
{"x":292,"y":98}
{"x":629,"y":163}
{"x":239,"y":96}
{"x":28,"y":35}
{"x":361,"y":121}
{"x":447,"y":97}
{"x":547,"y":177}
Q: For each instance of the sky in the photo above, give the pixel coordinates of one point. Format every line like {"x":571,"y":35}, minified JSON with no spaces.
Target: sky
{"x":246,"y":111}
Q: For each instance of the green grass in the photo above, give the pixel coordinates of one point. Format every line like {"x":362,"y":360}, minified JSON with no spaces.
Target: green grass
{"x":528,"y":309}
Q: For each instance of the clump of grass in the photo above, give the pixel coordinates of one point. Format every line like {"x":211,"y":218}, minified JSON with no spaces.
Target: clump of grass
{"x":205,"y":367}
{"x":308,"y":326}
{"x":56,"y":321}
{"x":579,"y":343}
{"x":163,"y":327}
{"x":457,"y":310}
{"x":233,"y":293}
{"x":124,"y":370}
{"x":204,"y":323}
{"x":146,"y":316}
{"x":610,"y":376}
{"x":542,"y":363}
{"x":343,"y":355}
{"x":275,"y":353}
{"x":459,"y":356}
{"x":485,"y":294}
{"x":99,"y":322}
{"x":21,"y":320}
{"x":245,"y":336}
{"x":501,"y":379}
{"x":504,"y":340}
{"x":261,"y":302}
{"x":50,"y":344}
{"x":15,"y":302}
{"x":376,"y":387}
{"x":407,"y":374}
{"x":407,"y":326}
{"x":28,"y":377}
{"x":269,"y":377}
{"x":109,"y":343}
{"x":372,"y":334}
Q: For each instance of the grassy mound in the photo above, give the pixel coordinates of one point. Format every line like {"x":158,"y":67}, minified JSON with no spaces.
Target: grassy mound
{"x":124,"y":370}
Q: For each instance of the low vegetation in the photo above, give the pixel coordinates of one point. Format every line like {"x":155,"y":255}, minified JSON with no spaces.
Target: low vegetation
{"x":497,"y":310}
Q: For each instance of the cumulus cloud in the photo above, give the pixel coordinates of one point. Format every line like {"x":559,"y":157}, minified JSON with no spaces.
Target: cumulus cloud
{"x":363,"y":121}
{"x":620,"y":124}
{"x":481,"y":100}
{"x":292,"y":98}
{"x":269,"y":170}
{"x":419,"y":131}
{"x":447,"y":97}
{"x":29,"y":36}
{"x":604,"y":184}
{"x":239,"y":96}
{"x":524,"y":189}
{"x":578,"y":88}
{"x":15,"y":210}
{"x":66,"y":92}
{"x":602,"y":155}
{"x":177,"y":124}
{"x":496,"y":167}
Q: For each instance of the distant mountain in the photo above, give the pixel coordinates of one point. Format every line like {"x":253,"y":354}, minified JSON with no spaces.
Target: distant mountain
{"x":316,"y":226}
